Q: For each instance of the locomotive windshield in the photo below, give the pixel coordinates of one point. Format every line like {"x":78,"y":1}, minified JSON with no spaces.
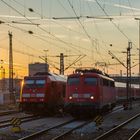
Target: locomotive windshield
{"x":28,"y":83}
{"x":40,"y":83}
{"x":34,"y":83}
{"x":73,"y":81}
{"x":90,"y":81}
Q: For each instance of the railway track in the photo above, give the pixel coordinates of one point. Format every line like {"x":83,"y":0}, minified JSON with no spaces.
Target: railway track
{"x":8,"y":112}
{"x":118,"y":129}
{"x":134,"y":136}
{"x":6,"y":123}
{"x":59,"y":127}
{"x":62,"y":135}
{"x":41,"y":133}
{"x":61,"y":131}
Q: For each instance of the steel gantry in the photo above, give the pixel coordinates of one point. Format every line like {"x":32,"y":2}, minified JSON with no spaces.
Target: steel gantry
{"x":128,"y":69}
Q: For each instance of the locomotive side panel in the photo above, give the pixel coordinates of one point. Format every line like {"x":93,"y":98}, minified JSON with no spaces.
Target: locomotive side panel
{"x":109,"y":93}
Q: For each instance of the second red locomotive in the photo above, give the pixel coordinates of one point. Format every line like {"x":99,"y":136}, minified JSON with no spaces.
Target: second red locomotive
{"x":43,"y":92}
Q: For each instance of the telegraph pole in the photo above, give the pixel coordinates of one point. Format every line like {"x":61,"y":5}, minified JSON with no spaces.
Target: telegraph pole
{"x":10,"y":64}
{"x":46,"y":60}
{"x":61,"y":63}
{"x":2,"y":75}
{"x":138,"y":19}
{"x":129,"y":98}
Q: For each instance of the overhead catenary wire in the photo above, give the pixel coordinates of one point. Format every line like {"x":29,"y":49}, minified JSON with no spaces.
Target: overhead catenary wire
{"x":63,"y":7}
{"x":98,"y":52}
{"x":129,"y":40}
{"x":35,"y":35}
{"x":22,"y":51}
{"x":42,"y":16}
{"x":60,"y":25}
{"x":53,"y":35}
{"x":112,"y":21}
{"x":80,"y":22}
{"x":29,"y":32}
{"x":99,"y":34}
{"x":39,"y":26}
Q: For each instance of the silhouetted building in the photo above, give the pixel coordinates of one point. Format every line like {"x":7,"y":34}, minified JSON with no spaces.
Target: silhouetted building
{"x":38,"y":67}
{"x":5,"y":95}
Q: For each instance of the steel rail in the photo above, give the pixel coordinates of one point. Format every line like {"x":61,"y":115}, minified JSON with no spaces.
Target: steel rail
{"x":44,"y":131}
{"x":7,"y":122}
{"x":48,"y":129}
{"x":59,"y":137}
{"x":111,"y":131}
{"x":137,"y":133}
{"x":8,"y":112}
{"x":69,"y":131}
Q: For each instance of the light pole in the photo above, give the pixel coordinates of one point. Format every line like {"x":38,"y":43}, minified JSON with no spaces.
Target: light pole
{"x":139,"y":49}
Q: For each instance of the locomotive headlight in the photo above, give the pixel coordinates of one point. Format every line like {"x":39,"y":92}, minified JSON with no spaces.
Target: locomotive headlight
{"x":92,"y":97}
{"x":70,"y":97}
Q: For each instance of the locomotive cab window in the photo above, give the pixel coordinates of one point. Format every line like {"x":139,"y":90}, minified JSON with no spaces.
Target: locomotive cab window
{"x":40,"y":83}
{"x":73,"y":81}
{"x":28,"y":83}
{"x":90,"y":81}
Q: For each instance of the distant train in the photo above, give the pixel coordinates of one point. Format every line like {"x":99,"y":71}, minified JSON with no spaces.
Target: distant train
{"x":42,"y":93}
{"x":121,"y":92}
{"x":91,"y":91}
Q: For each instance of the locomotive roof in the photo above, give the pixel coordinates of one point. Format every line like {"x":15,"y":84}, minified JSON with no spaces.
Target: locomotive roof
{"x":52,"y":76}
{"x":93,"y":70}
{"x":91,"y":74}
{"x":57,"y":77}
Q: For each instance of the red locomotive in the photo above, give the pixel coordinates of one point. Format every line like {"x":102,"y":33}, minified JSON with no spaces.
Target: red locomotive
{"x":43,"y":92}
{"x":89,"y":91}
